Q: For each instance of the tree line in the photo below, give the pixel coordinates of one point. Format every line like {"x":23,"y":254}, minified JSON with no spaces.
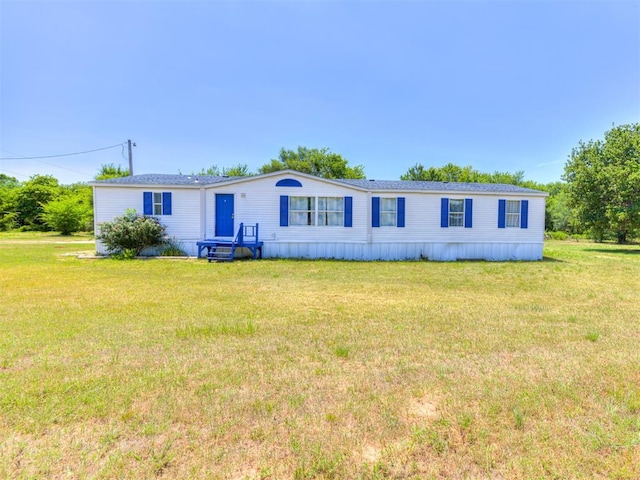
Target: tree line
{"x":598,"y":197}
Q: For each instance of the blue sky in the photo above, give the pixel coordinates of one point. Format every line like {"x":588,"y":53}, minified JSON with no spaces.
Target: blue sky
{"x":497,"y":85}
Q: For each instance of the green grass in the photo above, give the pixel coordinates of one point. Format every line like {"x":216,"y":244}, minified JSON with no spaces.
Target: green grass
{"x":318,"y":369}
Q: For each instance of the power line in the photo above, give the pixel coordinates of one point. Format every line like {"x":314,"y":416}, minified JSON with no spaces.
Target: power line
{"x":14,"y":173}
{"x":62,"y":154}
{"x":49,"y":163}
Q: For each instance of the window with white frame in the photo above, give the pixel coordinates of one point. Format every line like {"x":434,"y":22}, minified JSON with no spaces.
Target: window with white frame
{"x":302,"y":210}
{"x":513,"y":213}
{"x":157,"y":203}
{"x":456,"y":212}
{"x":331,"y":211}
{"x":320,"y":211}
{"x":388,"y":212}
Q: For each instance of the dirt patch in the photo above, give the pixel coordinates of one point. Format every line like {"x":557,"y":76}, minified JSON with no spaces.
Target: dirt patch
{"x":371,"y":453}
{"x":424,"y":408}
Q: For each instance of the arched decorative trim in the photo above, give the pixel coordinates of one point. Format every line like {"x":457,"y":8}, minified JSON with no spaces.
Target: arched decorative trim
{"x":288,"y":182}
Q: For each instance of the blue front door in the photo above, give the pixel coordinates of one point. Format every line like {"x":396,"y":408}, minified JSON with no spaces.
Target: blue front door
{"x":224,"y":215}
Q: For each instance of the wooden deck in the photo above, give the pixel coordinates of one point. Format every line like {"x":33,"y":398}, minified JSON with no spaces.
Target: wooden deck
{"x":223,"y":249}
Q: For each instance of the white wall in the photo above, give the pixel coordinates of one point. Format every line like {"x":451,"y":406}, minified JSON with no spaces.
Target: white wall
{"x":422,"y":220}
{"x":258,"y":201}
{"x":183,"y":223}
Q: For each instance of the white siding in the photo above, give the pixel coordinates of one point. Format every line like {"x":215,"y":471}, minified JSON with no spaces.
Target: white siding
{"x":183,"y":223}
{"x":258,"y":201}
{"x":422,"y":221}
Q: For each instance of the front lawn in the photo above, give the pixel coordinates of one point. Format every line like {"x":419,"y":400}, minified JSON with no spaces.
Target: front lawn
{"x":319,"y":369}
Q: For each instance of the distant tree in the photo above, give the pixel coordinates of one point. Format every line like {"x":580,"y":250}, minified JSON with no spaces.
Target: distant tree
{"x":213,"y":171}
{"x":454,"y":173}
{"x":559,"y":215}
{"x":110,"y":170}
{"x":31,"y":198}
{"x":66,"y":215}
{"x":508,"y":178}
{"x":239,"y":170}
{"x":83,"y":195}
{"x":603,"y":183}
{"x":320,"y":162}
{"x":418,"y":173}
{"x":131,"y":233}
{"x":8,"y":191}
{"x":8,"y":182}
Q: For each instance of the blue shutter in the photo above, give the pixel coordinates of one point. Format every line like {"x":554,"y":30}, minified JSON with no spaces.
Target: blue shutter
{"x":400,"y":212}
{"x":468,"y":212}
{"x":444,"y":212}
{"x":375,"y":211}
{"x":147,"y":202}
{"x":348,"y":211}
{"x":284,"y":210}
{"x":166,"y":203}
{"x":502,"y":213}
{"x":524,"y":213}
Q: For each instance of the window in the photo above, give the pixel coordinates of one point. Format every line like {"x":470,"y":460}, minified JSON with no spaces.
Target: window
{"x":156,"y":203}
{"x":513,"y":214}
{"x":302,"y":211}
{"x":388,"y":212}
{"x":456,"y":213}
{"x":316,"y":211}
{"x":288,"y":182}
{"x":331,"y":211}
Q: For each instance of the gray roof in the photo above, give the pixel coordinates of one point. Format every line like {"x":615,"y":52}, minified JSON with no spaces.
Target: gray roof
{"x":372,"y":185}
{"x":165,"y":179}
{"x":437,"y":186}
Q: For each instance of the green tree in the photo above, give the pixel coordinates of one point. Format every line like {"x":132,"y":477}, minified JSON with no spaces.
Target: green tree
{"x":603,"y":183}
{"x":31,"y":198}
{"x":8,"y":192}
{"x":509,"y":178}
{"x":83,"y":194}
{"x":110,"y":170}
{"x":467,"y":174}
{"x":239,"y":170}
{"x":559,"y":215}
{"x":131,"y":233}
{"x":320,"y":162}
{"x":8,"y":182}
{"x":67,"y":215}
{"x":213,"y":171}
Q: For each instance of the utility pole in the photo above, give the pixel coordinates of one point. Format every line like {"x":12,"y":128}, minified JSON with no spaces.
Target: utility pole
{"x":130,"y":159}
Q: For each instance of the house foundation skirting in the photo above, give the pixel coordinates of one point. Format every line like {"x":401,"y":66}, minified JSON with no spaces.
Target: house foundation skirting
{"x":436,"y":251}
{"x":406,"y":251}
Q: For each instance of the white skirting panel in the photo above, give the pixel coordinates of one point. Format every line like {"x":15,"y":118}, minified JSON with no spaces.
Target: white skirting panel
{"x":442,"y":252}
{"x":406,"y":251}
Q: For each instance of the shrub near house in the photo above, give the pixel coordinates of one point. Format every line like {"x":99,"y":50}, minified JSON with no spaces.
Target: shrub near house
{"x":131,"y":233}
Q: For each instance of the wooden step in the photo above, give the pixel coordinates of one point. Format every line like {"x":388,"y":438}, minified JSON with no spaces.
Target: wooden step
{"x":221,"y":253}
